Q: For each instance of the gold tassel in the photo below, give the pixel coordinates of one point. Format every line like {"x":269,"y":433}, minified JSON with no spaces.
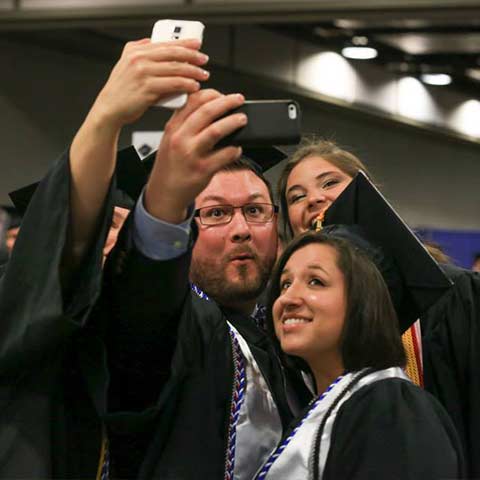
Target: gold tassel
{"x":413,"y":369}
{"x":319,"y":222}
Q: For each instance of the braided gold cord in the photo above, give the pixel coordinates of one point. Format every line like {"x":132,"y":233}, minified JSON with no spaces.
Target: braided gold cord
{"x":413,"y":367}
{"x":103,"y":452}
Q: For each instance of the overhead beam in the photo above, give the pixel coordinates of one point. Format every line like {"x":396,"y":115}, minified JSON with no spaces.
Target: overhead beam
{"x":23,"y":15}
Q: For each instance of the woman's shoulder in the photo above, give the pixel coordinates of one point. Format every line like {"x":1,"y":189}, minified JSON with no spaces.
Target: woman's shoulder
{"x":392,"y":396}
{"x":393,"y":428}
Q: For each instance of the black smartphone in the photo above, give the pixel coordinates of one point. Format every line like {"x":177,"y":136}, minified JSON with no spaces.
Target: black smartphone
{"x":270,"y":122}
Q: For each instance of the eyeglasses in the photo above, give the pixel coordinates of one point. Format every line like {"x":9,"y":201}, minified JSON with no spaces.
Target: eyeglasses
{"x":221,"y":214}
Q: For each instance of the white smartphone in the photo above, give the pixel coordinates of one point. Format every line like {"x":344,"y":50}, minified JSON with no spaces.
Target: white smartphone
{"x":168,"y":30}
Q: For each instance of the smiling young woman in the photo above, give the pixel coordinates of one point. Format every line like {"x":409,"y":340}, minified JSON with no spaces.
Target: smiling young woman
{"x":331,"y":308}
{"x":310,"y":311}
{"x":314,"y":176}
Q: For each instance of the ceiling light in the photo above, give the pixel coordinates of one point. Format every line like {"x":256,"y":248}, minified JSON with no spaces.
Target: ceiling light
{"x":327,"y":32}
{"x":347,"y":23}
{"x":436,"y":78}
{"x":359,"y":53}
{"x":360,"y":41}
{"x":401,"y":67}
{"x":358,"y":49}
{"x":473,"y":73}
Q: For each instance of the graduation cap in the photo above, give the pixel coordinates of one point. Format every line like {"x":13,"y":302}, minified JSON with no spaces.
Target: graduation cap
{"x":265,"y":158}
{"x":130,"y":173}
{"x":21,"y":197}
{"x":421,"y":281}
{"x":148,"y":162}
{"x":261,"y":158}
{"x":131,"y":178}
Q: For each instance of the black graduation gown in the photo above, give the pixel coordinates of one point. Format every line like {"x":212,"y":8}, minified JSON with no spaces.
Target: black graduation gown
{"x":48,"y":427}
{"x":451,"y":355}
{"x":393,"y":430}
{"x":171,"y":369}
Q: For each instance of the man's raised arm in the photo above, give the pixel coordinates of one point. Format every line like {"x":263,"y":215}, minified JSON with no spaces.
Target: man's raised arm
{"x":145,"y":73}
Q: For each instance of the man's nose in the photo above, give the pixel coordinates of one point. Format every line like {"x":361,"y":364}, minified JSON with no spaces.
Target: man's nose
{"x":239,"y":227}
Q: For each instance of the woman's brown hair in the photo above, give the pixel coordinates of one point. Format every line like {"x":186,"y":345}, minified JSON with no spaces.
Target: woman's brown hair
{"x":371,"y":334}
{"x":310,"y":147}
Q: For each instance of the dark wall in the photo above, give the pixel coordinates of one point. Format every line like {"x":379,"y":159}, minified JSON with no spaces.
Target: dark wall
{"x":45,"y":94}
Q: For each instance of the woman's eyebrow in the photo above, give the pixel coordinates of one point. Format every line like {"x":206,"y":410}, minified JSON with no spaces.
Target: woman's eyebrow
{"x":315,"y":266}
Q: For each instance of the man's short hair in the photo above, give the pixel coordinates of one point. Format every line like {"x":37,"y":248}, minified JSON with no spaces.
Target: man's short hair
{"x":244,"y":163}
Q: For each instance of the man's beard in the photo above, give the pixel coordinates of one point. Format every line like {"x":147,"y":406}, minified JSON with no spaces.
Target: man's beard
{"x":248,"y":283}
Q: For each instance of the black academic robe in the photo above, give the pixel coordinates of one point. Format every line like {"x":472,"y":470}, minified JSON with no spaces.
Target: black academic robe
{"x":48,"y":425}
{"x":171,"y":370}
{"x":393,"y":430}
{"x":451,"y":356}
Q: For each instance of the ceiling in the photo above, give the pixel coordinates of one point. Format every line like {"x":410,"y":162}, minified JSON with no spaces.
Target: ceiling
{"x":408,"y":46}
{"x":412,"y":36}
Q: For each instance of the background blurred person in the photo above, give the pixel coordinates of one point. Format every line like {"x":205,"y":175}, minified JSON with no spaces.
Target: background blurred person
{"x":9,"y":226}
{"x":14,"y":221}
{"x":476,"y":262}
{"x":436,"y":251}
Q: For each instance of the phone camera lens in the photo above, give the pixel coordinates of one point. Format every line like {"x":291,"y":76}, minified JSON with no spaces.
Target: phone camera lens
{"x":292,"y":111}
{"x":177,"y":29}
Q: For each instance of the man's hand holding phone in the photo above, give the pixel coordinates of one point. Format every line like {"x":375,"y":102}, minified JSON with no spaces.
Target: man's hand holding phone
{"x":145,"y":74}
{"x":187,"y":157}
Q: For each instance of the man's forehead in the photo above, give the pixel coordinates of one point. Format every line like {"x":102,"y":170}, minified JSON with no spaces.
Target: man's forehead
{"x":233,"y":187}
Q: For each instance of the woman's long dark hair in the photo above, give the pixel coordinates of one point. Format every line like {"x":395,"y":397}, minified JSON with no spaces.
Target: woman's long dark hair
{"x":371,"y":335}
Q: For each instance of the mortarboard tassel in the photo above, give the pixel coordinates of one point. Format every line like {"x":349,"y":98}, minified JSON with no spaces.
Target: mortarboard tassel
{"x":412,"y":346}
{"x":318,"y":223}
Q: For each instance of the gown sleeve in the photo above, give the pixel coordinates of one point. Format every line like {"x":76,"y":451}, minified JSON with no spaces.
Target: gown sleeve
{"x":154,"y":339}
{"x":47,"y":427}
{"x":392,"y":429}
{"x":36,"y":312}
{"x":145,"y":299}
{"x":451,"y":355}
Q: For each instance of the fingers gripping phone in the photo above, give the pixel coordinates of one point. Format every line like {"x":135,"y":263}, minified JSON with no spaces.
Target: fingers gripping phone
{"x":270,"y":122}
{"x":168,"y":30}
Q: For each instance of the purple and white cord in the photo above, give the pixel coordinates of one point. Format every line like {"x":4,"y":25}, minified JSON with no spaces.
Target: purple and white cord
{"x":238,"y":396}
{"x":271,"y":460}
